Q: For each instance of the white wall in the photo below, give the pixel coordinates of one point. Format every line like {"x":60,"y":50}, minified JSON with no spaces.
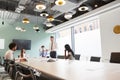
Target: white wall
{"x":110,"y":42}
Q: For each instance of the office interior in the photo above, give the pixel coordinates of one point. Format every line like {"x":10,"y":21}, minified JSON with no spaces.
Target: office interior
{"x":89,"y":34}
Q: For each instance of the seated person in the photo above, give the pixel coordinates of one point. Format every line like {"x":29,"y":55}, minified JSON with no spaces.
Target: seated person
{"x":43,"y":51}
{"x":9,"y":54}
{"x":22,"y":56}
{"x":9,"y":57}
{"x":69,"y":54}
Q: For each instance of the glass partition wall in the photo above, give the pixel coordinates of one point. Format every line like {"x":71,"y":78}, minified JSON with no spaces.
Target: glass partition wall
{"x":87,"y":39}
{"x":84,"y":38}
{"x":63,"y":37}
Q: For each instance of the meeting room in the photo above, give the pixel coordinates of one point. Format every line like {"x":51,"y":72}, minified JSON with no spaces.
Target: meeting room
{"x":59,"y":39}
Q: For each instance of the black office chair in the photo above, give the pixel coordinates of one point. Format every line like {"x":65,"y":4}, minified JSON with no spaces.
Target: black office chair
{"x":95,"y":59}
{"x":60,"y":57}
{"x":77,"y":56}
{"x":115,"y":57}
{"x":24,"y":73}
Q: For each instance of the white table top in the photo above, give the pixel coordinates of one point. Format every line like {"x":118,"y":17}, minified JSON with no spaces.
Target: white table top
{"x":76,"y":70}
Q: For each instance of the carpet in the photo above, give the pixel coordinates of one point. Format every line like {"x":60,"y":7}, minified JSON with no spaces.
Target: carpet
{"x":3,"y":74}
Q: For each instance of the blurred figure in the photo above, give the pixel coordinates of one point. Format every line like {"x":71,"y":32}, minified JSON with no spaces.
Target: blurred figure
{"x":69,"y":54}
{"x":43,"y":51}
{"x":53,"y":48}
{"x":9,"y":54}
{"x":22,"y":56}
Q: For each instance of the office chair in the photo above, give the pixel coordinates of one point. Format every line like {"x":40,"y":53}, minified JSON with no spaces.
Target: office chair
{"x":95,"y":59}
{"x":24,"y":73}
{"x":77,"y":56}
{"x":115,"y":57}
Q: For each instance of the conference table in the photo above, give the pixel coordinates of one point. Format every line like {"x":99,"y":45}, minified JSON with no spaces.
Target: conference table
{"x":61,"y":69}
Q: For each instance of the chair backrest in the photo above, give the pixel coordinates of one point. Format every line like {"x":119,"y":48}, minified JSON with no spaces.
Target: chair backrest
{"x":77,"y":56}
{"x":95,"y":59}
{"x":115,"y":57}
{"x":25,"y":72}
{"x":61,"y":57}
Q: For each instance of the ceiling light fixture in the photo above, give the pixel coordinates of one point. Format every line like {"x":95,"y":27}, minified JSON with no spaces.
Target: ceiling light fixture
{"x":35,"y":27}
{"x":50,"y":18}
{"x":26,"y":20}
{"x":18,"y":28}
{"x":68,"y":15}
{"x":83,"y":8}
{"x":37,"y":30}
{"x":44,"y":14}
{"x":23,"y":30}
{"x":60,"y":2}
{"x":40,"y":6}
{"x":48,"y":24}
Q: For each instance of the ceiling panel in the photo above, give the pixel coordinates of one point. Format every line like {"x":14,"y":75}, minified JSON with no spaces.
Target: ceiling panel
{"x":8,"y":10}
{"x":65,"y":8}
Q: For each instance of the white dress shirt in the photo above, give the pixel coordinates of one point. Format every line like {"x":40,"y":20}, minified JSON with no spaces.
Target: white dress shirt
{"x":53,"y":45}
{"x":9,"y":55}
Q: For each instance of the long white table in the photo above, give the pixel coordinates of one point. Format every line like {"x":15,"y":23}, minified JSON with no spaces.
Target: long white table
{"x":76,"y":70}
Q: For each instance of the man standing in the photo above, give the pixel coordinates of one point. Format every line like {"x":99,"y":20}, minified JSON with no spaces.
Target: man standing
{"x":53,"y":47}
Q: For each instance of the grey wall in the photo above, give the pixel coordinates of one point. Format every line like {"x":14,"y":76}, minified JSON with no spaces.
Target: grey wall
{"x":8,"y":32}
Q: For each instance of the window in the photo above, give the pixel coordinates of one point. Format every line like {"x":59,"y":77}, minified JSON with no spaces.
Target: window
{"x":63,"y":37}
{"x":87,"y":38}
{"x":2,"y":43}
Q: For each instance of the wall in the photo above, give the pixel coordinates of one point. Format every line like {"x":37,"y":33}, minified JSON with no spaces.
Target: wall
{"x":110,"y":41}
{"x":8,"y":32}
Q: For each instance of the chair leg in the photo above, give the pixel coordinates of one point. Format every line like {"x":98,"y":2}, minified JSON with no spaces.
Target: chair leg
{"x":22,"y":78}
{"x":17,"y":73}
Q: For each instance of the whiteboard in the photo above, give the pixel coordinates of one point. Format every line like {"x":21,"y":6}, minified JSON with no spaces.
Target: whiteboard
{"x":2,"y":41}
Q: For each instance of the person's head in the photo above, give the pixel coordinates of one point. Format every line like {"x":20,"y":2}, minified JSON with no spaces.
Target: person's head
{"x":22,"y":50}
{"x":42,"y":46}
{"x":52,"y":38}
{"x":13,"y":46}
{"x":67,"y":47}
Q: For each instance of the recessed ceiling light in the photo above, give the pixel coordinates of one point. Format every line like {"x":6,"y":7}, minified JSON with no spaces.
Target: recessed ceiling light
{"x":83,"y":8}
{"x":50,"y":18}
{"x":26,"y":20}
{"x":48,"y":24}
{"x":40,"y":6}
{"x":68,"y":15}
{"x":60,"y":2}
{"x":35,"y":27}
{"x":44,"y":14}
